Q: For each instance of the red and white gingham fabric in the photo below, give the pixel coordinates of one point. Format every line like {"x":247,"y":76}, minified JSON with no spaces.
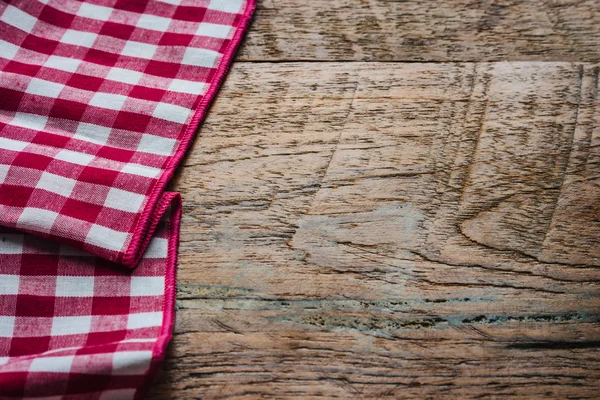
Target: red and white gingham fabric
{"x":73,"y":327}
{"x":99,"y":99}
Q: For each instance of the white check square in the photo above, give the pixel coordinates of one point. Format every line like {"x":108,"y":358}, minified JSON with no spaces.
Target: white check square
{"x":157,"y":248}
{"x":11,"y":243}
{"x":74,"y":157}
{"x":9,"y":284}
{"x":213,"y":30}
{"x":79,"y":38}
{"x":51,"y":364}
{"x":138,"y":49}
{"x":62,"y":63}
{"x":71,"y":325}
{"x":19,"y":19}
{"x":144,"y":320}
{"x":200,"y":57}
{"x":74,"y":286}
{"x":14,"y":145}
{"x":44,"y":88}
{"x":181,"y":86}
{"x":171,"y":112}
{"x":7,"y":326}
{"x":56,"y":184}
{"x":8,"y":50}
{"x":124,"y":200}
{"x":29,"y":121}
{"x":93,"y":11}
{"x":153,"y":22}
{"x":229,"y":6}
{"x":36,"y":219}
{"x":92,"y":133}
{"x":141,"y":170}
{"x":147,"y":286}
{"x":3,"y":172}
{"x":106,"y":238}
{"x":124,"y":75}
{"x":156,"y":145}
{"x":108,"y":100}
{"x":131,"y":362}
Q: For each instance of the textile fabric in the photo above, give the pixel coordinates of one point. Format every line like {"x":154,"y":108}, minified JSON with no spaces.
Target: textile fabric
{"x":99,"y":100}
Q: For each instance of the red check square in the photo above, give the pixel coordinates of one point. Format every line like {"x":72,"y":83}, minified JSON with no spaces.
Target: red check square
{"x":81,"y":210}
{"x":110,"y":305}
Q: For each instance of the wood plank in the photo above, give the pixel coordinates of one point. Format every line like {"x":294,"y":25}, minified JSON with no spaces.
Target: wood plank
{"x":392,"y":230}
{"x":454,"y":30}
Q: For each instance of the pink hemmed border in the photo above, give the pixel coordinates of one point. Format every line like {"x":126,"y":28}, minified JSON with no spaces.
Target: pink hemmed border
{"x":160,"y":347}
{"x":145,"y":224}
{"x":159,"y":201}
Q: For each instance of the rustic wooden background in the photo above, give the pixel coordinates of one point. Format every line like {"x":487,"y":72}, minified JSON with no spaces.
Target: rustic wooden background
{"x":396,"y":199}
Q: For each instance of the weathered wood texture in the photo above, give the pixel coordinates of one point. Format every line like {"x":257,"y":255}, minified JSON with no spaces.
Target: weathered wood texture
{"x":395,"y":229}
{"x":429,"y":30}
{"x":381,"y":230}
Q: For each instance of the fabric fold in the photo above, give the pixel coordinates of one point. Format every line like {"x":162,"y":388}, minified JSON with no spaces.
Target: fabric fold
{"x":99,"y":101}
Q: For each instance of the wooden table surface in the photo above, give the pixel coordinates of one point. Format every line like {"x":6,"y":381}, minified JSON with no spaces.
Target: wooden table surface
{"x":396,"y":199}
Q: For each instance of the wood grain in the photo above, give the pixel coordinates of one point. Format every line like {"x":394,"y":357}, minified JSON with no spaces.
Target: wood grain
{"x":392,"y":230}
{"x":429,"y":30}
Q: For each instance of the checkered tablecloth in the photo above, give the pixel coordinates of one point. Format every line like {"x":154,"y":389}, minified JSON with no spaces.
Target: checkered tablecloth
{"x":98,"y":102}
